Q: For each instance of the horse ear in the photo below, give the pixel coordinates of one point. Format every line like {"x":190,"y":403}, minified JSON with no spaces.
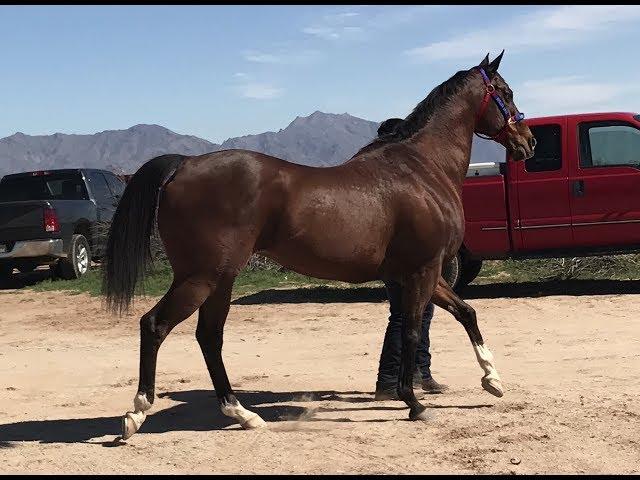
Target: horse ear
{"x":495,"y":63}
{"x":485,"y":63}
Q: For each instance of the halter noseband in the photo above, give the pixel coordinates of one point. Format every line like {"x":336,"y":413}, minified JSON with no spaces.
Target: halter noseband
{"x":509,"y":119}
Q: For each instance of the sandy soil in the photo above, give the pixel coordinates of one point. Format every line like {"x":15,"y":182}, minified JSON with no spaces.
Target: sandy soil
{"x":571,"y":368}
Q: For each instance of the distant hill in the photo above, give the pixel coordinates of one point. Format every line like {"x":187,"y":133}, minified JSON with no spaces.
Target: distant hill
{"x":122,"y":151}
{"x":320,"y":139}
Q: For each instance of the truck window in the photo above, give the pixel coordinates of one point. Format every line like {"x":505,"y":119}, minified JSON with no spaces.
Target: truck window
{"x":99,"y":187}
{"x":115,"y":184}
{"x":605,"y":144}
{"x":50,"y":186}
{"x":483,"y":150}
{"x":548,"y":152}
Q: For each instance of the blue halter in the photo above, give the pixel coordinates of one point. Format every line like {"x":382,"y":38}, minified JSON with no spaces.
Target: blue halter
{"x":491,"y":93}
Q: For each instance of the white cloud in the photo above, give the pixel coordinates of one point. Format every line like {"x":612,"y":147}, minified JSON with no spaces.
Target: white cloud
{"x":340,"y":17}
{"x":333,"y":32}
{"x":260,"y":91}
{"x":259,"y":57}
{"x":358,"y":25}
{"x":574,"y":94}
{"x":549,"y":28}
{"x":282,"y":57}
{"x":395,"y":16}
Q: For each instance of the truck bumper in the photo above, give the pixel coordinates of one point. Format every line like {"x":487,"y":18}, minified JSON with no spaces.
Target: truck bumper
{"x":35,"y":248}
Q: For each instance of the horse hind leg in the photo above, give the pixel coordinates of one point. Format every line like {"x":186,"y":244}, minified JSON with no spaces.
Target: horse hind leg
{"x":416,"y":292}
{"x":180,"y":302}
{"x":209,"y":333}
{"x":446,"y":298}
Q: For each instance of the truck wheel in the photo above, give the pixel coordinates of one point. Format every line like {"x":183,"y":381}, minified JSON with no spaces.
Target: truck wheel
{"x":78,"y":259}
{"x":451,"y":271}
{"x":470,"y":271}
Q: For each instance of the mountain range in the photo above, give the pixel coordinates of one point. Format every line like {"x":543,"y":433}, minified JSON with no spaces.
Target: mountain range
{"x":320,"y":139}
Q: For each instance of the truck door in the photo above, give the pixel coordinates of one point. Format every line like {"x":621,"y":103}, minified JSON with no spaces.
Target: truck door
{"x":605,"y":183}
{"x":542,"y":191}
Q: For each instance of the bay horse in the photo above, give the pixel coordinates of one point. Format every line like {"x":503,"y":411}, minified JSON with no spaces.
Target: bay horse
{"x":392,"y":212}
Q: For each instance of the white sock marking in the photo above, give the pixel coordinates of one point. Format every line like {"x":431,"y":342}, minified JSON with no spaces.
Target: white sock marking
{"x":138,"y":416}
{"x":485,"y":359}
{"x":246,"y":418}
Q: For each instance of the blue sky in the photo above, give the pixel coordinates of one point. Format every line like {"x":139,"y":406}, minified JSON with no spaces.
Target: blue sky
{"x":218,"y":72}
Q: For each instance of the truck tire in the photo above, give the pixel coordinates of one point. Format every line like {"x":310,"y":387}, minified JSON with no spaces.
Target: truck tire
{"x":78,"y":259}
{"x":470,"y":270}
{"x":451,"y":271}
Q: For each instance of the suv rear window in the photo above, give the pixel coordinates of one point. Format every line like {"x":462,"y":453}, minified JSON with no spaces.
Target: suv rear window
{"x":53,"y":186}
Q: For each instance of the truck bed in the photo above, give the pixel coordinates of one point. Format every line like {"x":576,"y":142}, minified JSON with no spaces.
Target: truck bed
{"x":23,"y":221}
{"x":485,"y":210}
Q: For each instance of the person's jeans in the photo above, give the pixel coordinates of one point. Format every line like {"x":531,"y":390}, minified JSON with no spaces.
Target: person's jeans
{"x":389,"y":367}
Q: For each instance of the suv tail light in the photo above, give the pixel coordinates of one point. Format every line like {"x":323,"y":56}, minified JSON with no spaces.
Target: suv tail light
{"x":51,"y":223}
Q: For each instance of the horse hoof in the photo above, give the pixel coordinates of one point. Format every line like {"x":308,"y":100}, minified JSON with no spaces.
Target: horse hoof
{"x":493,"y":386}
{"x":128,"y":428}
{"x":419,"y":414}
{"x":131,"y":423}
{"x":254,"y":423}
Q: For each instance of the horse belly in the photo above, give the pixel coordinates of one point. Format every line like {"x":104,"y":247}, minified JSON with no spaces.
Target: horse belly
{"x":336,"y":245}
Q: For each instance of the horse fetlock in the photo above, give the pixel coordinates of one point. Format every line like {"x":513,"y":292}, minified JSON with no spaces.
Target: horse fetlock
{"x":141,"y":403}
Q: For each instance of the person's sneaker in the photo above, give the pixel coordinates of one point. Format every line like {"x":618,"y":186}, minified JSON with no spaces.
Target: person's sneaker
{"x":431,"y":386}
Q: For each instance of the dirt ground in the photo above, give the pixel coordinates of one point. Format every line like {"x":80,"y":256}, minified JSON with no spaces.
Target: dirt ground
{"x":306,"y":362}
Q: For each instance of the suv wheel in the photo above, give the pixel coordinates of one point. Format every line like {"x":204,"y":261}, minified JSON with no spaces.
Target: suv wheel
{"x":78,"y":259}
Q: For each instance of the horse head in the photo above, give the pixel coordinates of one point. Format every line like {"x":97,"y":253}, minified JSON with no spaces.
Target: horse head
{"x":500,"y":120}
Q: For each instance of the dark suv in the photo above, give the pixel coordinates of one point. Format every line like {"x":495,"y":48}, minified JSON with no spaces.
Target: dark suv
{"x":56,"y":218}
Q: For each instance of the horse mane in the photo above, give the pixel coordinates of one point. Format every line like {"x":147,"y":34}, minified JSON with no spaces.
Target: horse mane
{"x":395,"y":130}
{"x":439,"y":96}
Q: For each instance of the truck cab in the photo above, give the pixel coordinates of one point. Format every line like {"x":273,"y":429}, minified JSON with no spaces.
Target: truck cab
{"x":579,"y":195}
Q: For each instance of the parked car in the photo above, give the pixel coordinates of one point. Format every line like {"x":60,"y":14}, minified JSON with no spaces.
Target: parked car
{"x":52,"y":218}
{"x":578,"y":196}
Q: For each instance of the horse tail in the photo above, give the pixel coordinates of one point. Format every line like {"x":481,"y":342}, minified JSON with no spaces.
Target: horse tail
{"x":128,"y":252}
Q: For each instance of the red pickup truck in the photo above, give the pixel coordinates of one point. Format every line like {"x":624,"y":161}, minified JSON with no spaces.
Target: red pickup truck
{"x":579,"y":195}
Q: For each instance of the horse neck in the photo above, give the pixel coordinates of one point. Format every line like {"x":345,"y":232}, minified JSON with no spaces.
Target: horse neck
{"x":450,"y":130}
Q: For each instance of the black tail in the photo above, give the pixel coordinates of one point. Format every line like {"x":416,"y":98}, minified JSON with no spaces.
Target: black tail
{"x":128,"y":251}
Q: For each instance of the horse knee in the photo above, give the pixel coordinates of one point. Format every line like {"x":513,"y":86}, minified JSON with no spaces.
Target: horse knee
{"x":204,"y":336}
{"x":208,"y":337}
{"x":148,"y":323}
{"x":201,"y":336}
{"x":151,"y":328}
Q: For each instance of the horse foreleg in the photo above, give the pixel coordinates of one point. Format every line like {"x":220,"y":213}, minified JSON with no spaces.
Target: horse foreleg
{"x":178,"y":304}
{"x":211,"y":320}
{"x":446,"y":298}
{"x":417,"y":289}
